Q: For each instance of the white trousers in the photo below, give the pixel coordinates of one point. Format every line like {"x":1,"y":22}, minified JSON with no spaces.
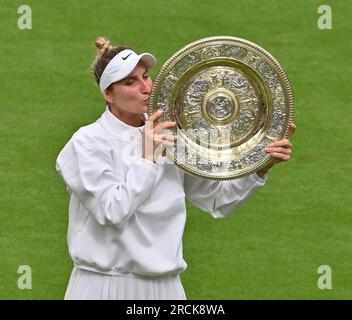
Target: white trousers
{"x":88,"y":285}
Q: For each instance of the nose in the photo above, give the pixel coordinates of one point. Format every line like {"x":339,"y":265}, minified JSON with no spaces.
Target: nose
{"x":146,"y":86}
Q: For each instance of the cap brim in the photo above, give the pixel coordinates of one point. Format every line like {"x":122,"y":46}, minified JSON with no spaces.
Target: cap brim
{"x":148,"y":60}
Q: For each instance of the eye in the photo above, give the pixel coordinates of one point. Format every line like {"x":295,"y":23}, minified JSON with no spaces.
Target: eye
{"x":146,"y":76}
{"x":130,"y":82}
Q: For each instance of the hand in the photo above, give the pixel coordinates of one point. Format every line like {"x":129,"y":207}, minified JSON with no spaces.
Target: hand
{"x":280,"y":151}
{"x":156,"y":137}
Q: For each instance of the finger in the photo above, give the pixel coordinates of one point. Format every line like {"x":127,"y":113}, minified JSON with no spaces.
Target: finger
{"x":163,"y":137}
{"x":279,"y":150}
{"x":168,"y":143}
{"x":292,"y":128}
{"x":164,"y":125}
{"x":164,"y":132}
{"x":281,"y":143}
{"x":280,"y":156}
{"x":155,"y":115}
{"x":164,"y":144}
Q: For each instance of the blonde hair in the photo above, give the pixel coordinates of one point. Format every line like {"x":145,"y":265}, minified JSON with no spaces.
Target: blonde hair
{"x":105,"y":54}
{"x":102,"y":44}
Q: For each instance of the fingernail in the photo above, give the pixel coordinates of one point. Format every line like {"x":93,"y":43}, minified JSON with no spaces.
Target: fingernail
{"x":160,"y":110}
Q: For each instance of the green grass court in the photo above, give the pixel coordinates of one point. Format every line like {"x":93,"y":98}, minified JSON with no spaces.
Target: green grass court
{"x":272,"y":247}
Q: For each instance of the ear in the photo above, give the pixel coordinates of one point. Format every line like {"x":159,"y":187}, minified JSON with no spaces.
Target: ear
{"x":108,"y":96}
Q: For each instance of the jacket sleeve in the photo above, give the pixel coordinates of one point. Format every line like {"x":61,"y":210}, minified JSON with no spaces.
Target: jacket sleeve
{"x":220,"y":198}
{"x":88,"y":172}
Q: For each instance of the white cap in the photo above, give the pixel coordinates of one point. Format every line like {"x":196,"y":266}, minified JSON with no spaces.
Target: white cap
{"x":122,"y":65}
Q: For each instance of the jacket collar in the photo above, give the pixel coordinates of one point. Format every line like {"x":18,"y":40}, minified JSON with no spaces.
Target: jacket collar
{"x":116,"y":126}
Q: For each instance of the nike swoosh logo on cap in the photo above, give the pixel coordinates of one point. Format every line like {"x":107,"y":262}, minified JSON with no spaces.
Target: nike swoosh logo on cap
{"x":124,"y":58}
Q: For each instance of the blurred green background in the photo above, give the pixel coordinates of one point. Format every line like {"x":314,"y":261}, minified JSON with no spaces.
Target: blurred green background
{"x":272,"y":246}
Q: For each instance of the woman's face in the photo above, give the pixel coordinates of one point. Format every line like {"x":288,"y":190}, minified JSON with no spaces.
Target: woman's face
{"x":130,"y":96}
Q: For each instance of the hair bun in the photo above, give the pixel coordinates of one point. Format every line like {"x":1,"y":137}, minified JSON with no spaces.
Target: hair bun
{"x":102,"y":44}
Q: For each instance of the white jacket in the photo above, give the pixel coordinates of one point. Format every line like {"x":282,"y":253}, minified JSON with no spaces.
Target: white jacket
{"x":127,"y":217}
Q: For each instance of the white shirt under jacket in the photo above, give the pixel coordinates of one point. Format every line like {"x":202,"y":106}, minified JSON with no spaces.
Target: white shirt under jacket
{"x":127,"y":217}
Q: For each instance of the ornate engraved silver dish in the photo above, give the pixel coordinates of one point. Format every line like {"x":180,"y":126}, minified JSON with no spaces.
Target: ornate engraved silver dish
{"x":230,"y":99}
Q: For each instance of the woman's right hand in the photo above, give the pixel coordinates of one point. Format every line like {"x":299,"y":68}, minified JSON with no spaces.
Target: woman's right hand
{"x":156,"y":137}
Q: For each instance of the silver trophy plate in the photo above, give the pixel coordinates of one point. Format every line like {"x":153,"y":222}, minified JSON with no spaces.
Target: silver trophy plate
{"x":230,"y":99}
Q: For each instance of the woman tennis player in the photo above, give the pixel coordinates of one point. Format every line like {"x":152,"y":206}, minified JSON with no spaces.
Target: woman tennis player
{"x":127,"y":215}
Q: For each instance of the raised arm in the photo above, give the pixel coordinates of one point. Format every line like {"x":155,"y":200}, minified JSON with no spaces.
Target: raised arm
{"x":220,"y":198}
{"x":112,"y":198}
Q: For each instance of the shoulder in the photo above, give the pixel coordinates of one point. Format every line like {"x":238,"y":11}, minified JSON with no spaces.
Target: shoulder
{"x":88,"y":141}
{"x":89,"y":138}
{"x":90,"y":135}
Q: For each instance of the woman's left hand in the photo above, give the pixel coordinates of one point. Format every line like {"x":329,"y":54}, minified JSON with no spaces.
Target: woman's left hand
{"x":279,"y":151}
